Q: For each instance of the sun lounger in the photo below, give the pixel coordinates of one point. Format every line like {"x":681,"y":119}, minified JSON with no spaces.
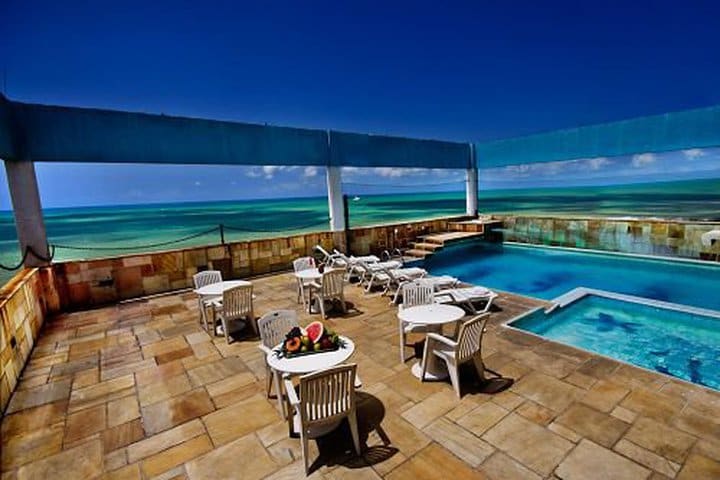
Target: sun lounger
{"x":467,"y":297}
{"x":439,"y":283}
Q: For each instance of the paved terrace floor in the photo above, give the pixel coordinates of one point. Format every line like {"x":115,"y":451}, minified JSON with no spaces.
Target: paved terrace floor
{"x":138,"y":390}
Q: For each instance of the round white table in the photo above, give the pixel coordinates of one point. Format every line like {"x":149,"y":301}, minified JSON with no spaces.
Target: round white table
{"x":433,"y":316}
{"x":217,"y":289}
{"x":309,"y":274}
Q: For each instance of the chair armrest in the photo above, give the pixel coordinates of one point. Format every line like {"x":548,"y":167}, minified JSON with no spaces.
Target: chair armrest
{"x":290,"y":390}
{"x":440,"y":338}
{"x":264,"y":349}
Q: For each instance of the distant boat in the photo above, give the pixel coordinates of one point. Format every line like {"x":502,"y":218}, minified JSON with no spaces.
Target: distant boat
{"x":356,"y":198}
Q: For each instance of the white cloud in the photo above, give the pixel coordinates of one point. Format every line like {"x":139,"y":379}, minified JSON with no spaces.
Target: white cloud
{"x":693,"y":153}
{"x":522,"y":169}
{"x":643,"y":159}
{"x":598,"y":163}
{"x":197,"y":183}
{"x":310,"y":172}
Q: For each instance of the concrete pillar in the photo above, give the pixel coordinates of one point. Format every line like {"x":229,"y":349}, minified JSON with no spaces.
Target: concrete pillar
{"x":335,"y":199}
{"x":471,"y":192}
{"x":29,"y":222}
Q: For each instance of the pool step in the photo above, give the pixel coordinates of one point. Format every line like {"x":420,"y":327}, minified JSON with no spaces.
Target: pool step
{"x":445,"y":237}
{"x":413,"y":252}
{"x":429,"y":246}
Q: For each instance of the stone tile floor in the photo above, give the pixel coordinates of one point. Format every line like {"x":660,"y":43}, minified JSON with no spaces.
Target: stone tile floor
{"x":139,"y":391}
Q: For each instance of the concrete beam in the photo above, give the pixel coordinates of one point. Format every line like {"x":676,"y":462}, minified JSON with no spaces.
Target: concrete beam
{"x":471,"y":192}
{"x":27,"y":210}
{"x":335,"y":199}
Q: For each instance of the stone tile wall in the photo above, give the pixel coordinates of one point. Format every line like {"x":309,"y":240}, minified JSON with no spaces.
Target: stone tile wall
{"x":88,"y":283}
{"x":24,"y":305}
{"x":647,"y":237}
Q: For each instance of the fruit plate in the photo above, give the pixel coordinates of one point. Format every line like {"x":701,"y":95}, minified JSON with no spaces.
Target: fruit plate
{"x":283,"y":354}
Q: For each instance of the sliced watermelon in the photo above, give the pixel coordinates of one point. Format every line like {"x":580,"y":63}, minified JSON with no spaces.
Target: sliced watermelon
{"x":314,"y":331}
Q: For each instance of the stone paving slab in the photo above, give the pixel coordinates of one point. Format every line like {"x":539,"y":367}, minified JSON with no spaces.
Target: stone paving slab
{"x":140,"y":391}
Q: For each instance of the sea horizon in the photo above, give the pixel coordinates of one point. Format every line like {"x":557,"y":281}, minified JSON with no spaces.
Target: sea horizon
{"x":108,"y":230}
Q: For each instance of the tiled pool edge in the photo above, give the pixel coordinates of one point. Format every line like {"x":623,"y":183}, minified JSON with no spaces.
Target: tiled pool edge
{"x":581,"y":292}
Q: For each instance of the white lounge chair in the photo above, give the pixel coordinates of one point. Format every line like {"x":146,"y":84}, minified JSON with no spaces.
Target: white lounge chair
{"x":414,"y":294}
{"x":327,"y":256}
{"x":392,"y":277}
{"x":467,"y":347}
{"x":365,"y":270}
{"x":438,"y":283}
{"x":326,"y":398}
{"x":200,"y":279}
{"x":467,"y":297}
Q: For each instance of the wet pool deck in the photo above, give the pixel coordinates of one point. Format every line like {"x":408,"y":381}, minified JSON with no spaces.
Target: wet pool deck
{"x":139,"y":391}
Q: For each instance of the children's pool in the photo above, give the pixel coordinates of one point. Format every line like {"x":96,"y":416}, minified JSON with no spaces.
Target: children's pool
{"x":679,"y":343}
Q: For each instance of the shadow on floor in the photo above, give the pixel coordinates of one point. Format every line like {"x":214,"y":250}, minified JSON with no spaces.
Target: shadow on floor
{"x":336,"y":448}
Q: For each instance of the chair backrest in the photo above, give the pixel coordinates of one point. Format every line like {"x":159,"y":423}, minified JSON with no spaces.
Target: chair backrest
{"x":417,"y":293}
{"x":275,"y":325}
{"x":237,"y":302}
{"x":207,"y":277}
{"x":470,"y":337}
{"x":332,"y":282}
{"x":303,"y":263}
{"x":327,"y":394}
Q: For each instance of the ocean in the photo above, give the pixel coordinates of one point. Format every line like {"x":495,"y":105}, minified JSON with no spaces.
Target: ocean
{"x":113,"y":230}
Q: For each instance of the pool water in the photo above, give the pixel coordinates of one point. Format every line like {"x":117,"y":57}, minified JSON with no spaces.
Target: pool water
{"x":549,"y":272}
{"x":676,"y":343}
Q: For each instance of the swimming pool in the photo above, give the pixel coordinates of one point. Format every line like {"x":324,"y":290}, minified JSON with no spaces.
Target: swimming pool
{"x":682,"y":344}
{"x":547,"y":273}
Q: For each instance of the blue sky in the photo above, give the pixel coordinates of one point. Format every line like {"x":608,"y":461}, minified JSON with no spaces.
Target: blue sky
{"x":468,"y":71}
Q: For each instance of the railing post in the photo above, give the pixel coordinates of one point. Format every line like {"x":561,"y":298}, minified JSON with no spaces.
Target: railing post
{"x":27,"y":210}
{"x":335,"y":199}
{"x":222,"y":234}
{"x":471,"y":185}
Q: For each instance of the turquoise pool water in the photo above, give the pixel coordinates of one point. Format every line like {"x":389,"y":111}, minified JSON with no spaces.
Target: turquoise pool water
{"x":676,"y":343}
{"x":550,"y":272}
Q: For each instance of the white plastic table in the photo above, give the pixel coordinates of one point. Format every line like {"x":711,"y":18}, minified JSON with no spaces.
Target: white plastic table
{"x":433,"y":316}
{"x":306,"y":364}
{"x":309,"y":274}
{"x":217,"y":289}
{"x":313,"y":362}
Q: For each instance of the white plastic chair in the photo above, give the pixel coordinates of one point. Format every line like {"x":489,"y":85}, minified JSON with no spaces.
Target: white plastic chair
{"x":326,"y":398}
{"x":330,"y":287}
{"x":273,"y":326}
{"x":237,"y":304}
{"x":454,"y":353}
{"x":207,"y":277}
{"x":414,"y":294}
{"x":300,"y":264}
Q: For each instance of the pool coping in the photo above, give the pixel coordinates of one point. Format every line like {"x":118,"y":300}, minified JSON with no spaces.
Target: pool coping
{"x":581,"y":292}
{"x":611,"y":253}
